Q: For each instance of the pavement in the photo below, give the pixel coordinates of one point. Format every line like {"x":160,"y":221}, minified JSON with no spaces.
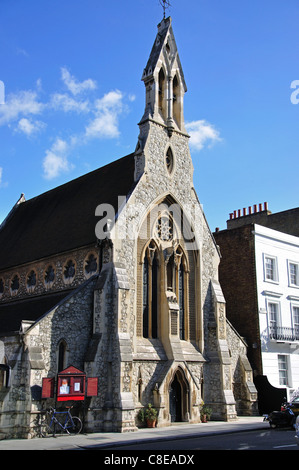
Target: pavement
{"x":106,"y":441}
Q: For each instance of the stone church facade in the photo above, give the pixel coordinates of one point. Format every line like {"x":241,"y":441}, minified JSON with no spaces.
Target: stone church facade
{"x":116,"y":274}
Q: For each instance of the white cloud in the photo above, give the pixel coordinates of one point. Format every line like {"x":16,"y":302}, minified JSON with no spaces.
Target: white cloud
{"x":202,"y":133}
{"x":21,"y":51}
{"x":107,"y":113}
{"x":17,"y":104}
{"x":2,"y":183}
{"x":39,"y":84}
{"x":104,"y":124}
{"x":56,"y":161}
{"x":132,"y":98}
{"x":21,"y":113}
{"x":68,"y":104}
{"x":74,"y":86}
{"x":29,"y":127}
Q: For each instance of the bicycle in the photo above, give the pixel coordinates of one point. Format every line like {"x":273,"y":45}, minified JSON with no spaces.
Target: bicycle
{"x":71,"y":424}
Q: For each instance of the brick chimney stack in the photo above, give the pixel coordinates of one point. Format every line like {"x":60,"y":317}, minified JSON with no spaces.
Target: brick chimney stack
{"x":255,"y":214}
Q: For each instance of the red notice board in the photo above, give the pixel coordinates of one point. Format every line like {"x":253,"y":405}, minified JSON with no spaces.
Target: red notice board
{"x":71,"y":384}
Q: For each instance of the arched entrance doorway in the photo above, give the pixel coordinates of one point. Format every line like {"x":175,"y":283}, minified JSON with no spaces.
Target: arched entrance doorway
{"x":178,"y":398}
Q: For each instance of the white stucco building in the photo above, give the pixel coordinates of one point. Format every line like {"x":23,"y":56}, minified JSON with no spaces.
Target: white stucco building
{"x":259,"y":275}
{"x":277,"y":277}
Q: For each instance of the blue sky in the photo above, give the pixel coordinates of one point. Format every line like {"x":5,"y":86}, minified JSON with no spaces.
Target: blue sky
{"x":74,"y":96}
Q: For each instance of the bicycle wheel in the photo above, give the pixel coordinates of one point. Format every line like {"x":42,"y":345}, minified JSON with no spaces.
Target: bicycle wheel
{"x":45,"y":429}
{"x":74,"y":425}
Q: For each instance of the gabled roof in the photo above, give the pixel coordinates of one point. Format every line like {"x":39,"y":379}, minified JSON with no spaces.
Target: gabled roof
{"x":71,"y":370}
{"x":64,"y":218}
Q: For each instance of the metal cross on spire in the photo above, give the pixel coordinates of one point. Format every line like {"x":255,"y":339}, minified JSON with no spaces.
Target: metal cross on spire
{"x":165,"y":4}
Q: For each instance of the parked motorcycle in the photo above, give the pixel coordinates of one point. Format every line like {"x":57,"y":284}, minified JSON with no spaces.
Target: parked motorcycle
{"x":283,"y":418}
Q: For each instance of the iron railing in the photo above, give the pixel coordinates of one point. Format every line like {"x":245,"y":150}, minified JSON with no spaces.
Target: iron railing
{"x":284,"y":333}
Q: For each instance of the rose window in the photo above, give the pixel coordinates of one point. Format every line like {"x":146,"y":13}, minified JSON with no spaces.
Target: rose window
{"x":164,"y":228}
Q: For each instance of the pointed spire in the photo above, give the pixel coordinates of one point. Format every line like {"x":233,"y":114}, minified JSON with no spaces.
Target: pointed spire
{"x":165,"y":88}
{"x":163,"y":29}
{"x":164,"y":81}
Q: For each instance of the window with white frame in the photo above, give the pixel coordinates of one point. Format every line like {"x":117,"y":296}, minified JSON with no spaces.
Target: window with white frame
{"x":270,"y":268}
{"x":273,"y":319}
{"x":295,"y":320}
{"x":293,"y":274}
{"x":283,"y":369}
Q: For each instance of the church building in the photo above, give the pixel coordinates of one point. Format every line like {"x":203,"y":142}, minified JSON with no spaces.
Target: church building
{"x":112,"y":280}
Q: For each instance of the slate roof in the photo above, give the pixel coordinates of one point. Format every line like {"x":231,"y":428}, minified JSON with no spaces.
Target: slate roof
{"x":157,"y":47}
{"x":163,"y":28}
{"x":31,"y":309}
{"x":63,"y":218}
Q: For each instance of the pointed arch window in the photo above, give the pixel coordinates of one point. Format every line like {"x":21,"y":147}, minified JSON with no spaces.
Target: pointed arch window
{"x":170,"y":273}
{"x":182,"y":293}
{"x":150,"y":292}
{"x":176,"y":101}
{"x":62,"y":353}
{"x":145,"y":297}
{"x":162,"y":106}
{"x":177,"y":268}
{"x":182,"y":301}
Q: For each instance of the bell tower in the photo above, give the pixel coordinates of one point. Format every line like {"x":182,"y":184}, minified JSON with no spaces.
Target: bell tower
{"x":164,"y":82}
{"x":165,"y":88}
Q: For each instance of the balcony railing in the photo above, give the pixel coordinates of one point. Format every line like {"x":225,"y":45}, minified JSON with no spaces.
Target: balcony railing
{"x":284,"y":333}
